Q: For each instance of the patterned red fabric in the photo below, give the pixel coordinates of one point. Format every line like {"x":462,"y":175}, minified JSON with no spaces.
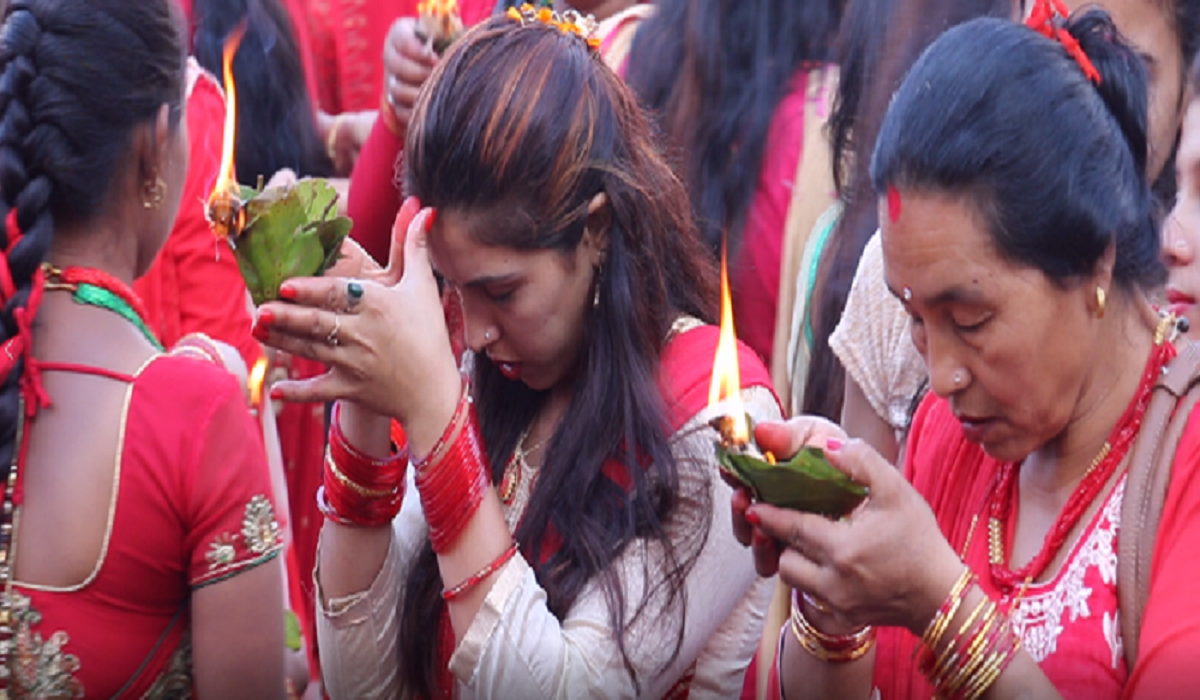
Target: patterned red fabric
{"x":193,"y":508}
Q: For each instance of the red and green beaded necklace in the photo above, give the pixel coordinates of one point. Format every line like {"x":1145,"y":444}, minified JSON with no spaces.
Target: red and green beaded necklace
{"x":94,"y":287}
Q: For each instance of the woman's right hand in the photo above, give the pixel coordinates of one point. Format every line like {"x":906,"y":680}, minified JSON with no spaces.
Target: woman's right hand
{"x":783,"y":439}
{"x":388,"y":349}
{"x":408,"y":61}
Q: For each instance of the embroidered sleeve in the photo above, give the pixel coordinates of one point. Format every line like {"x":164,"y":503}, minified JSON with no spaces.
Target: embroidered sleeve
{"x":230,"y":518}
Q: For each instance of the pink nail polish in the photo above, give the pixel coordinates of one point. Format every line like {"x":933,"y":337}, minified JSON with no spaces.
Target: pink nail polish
{"x":833,"y":444}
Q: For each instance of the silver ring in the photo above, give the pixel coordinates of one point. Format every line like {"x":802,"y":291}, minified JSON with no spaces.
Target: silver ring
{"x":332,"y":338}
{"x":391,"y":86}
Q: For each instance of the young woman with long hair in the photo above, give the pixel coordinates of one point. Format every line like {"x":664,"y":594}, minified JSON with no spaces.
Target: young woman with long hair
{"x":555,"y":534}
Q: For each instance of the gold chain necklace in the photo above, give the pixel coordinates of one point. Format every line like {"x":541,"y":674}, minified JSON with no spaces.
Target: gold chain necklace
{"x":517,"y":465}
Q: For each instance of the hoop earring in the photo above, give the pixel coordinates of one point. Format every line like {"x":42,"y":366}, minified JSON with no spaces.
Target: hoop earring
{"x":1101,"y":300}
{"x":153,"y":193}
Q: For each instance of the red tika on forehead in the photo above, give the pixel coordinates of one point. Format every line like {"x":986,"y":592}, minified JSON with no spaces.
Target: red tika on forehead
{"x":893,"y":203}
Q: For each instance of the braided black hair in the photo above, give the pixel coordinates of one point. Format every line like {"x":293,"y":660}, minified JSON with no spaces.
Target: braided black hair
{"x":76,"y":78}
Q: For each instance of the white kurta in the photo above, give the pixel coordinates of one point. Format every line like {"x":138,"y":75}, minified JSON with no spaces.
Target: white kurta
{"x":516,"y":648}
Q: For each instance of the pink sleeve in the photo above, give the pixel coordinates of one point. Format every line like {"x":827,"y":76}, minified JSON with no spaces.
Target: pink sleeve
{"x":1169,"y":645}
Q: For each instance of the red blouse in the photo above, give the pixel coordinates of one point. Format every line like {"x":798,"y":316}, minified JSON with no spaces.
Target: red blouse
{"x":192,"y":508}
{"x":1069,"y":624}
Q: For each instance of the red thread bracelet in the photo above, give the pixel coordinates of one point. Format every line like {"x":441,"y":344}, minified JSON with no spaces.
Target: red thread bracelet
{"x":452,"y":594}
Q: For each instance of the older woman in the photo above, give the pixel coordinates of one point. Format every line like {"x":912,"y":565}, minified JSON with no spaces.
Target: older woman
{"x":555,"y":535}
{"x":885,"y":377}
{"x":1018,"y":233}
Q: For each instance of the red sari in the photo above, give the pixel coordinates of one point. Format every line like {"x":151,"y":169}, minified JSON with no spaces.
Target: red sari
{"x":1067,"y":624}
{"x":192,"y":507}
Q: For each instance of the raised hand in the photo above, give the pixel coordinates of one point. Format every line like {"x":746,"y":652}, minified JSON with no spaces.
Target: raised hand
{"x":408,"y":61}
{"x":886,"y":564}
{"x":387,"y":345}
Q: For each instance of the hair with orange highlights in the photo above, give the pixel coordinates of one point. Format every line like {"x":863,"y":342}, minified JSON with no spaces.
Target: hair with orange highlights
{"x":525,"y":124}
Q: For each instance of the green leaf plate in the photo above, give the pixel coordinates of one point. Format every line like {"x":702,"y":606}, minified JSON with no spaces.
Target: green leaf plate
{"x":806,"y":482}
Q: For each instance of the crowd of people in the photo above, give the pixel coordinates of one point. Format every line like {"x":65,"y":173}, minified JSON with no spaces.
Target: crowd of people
{"x":476,"y":457}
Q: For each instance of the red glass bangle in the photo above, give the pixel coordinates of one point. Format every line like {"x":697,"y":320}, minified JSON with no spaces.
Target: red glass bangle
{"x":371,"y":473}
{"x":444,"y":442}
{"x":355,"y":504}
{"x":452,"y":487}
{"x":452,"y":594}
{"x":359,"y":490}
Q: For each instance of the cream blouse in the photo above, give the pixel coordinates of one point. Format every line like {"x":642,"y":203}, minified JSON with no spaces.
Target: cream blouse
{"x":516,"y":648}
{"x":873,"y":340}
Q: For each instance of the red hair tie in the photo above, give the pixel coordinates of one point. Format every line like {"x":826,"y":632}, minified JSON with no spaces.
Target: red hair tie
{"x":12,"y":232}
{"x":1042,"y":20}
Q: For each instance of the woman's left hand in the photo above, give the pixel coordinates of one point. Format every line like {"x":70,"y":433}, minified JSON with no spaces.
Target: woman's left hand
{"x":886,"y":564}
{"x":388,"y":348}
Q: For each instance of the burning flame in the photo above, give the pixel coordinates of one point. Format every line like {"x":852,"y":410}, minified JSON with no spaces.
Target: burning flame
{"x":437,"y":7}
{"x":224,"y":204}
{"x":254,"y":382}
{"x":726,"y":378}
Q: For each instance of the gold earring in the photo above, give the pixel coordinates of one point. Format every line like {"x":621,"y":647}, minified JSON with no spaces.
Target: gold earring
{"x":153,"y":193}
{"x":1101,"y":300}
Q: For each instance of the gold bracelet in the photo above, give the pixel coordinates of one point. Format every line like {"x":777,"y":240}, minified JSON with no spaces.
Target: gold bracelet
{"x":939,"y":623}
{"x":974,"y":658}
{"x":354,"y":485}
{"x":948,"y":660}
{"x":845,"y":648}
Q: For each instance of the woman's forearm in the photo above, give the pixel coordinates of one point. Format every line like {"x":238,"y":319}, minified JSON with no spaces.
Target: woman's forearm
{"x":350,"y":557}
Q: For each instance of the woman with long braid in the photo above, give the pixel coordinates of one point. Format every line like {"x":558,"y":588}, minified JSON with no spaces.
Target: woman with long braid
{"x":138,"y":544}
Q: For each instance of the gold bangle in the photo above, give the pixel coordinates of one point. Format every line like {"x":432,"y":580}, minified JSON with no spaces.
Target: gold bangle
{"x":948,"y":660}
{"x":939,"y":623}
{"x":354,"y":485}
{"x":818,"y":643}
{"x":974,"y":658}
